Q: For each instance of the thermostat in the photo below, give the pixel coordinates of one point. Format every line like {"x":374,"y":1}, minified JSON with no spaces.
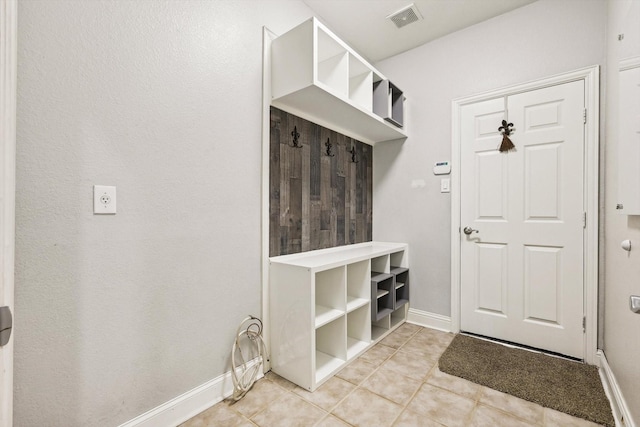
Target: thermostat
{"x":442,"y":168}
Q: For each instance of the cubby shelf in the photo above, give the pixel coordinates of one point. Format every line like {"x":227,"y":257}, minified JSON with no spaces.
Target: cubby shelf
{"x":316,"y":76}
{"x":321,"y":305}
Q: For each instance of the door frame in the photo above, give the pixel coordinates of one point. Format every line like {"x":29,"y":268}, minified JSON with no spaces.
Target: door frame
{"x":8,"y":84}
{"x":591,"y":78}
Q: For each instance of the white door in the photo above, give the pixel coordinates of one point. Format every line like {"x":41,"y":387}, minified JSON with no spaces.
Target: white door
{"x":8,"y":10}
{"x":521,"y":275}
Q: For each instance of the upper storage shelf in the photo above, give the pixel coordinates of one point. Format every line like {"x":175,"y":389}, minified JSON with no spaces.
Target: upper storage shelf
{"x":318,"y":77}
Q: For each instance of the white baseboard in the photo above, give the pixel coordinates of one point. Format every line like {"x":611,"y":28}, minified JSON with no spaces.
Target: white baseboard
{"x":619,"y":406}
{"x":429,"y":320}
{"x":188,"y":405}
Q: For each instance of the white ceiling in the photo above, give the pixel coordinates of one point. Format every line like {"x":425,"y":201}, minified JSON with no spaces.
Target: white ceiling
{"x":364,"y":26}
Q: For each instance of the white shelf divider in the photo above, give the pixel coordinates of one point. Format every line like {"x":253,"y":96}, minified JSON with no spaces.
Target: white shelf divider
{"x":325,"y":315}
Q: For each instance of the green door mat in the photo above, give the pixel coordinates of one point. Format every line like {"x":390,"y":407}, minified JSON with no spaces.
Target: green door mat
{"x":571,"y":387}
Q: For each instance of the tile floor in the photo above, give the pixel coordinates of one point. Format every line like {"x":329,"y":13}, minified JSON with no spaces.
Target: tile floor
{"x":395,"y":383}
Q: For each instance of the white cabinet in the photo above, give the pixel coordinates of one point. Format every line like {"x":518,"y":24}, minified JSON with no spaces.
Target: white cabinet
{"x":320,"y":304}
{"x":628,"y":201}
{"x":318,"y":77}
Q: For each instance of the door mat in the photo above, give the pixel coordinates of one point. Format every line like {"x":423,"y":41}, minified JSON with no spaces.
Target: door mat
{"x":570,"y":387}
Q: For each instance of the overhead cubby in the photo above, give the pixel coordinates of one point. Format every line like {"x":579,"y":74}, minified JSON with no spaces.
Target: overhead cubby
{"x":360,"y":83}
{"x":333,"y":64}
{"x":388,"y":102}
{"x":318,"y":77}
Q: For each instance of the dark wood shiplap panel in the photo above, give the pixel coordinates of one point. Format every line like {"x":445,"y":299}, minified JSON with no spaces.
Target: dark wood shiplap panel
{"x":316,"y":201}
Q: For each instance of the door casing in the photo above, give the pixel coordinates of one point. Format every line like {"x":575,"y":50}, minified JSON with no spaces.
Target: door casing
{"x":8,"y":79}
{"x":590,"y":76}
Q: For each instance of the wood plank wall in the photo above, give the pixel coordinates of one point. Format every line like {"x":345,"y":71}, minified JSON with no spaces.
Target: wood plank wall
{"x":316,"y":201}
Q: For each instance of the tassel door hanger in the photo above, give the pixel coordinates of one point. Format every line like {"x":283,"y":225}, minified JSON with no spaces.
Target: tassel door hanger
{"x":506,"y":130}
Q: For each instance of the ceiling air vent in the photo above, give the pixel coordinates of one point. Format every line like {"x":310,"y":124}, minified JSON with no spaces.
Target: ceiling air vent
{"x":405,"y":16}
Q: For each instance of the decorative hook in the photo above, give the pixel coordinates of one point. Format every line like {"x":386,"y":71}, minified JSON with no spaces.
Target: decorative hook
{"x":295,"y":134}
{"x":506,"y":130}
{"x":354,"y":158}
{"x":329,"y":146}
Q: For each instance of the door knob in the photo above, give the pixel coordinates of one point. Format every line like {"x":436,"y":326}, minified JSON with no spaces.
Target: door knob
{"x":469,"y":230}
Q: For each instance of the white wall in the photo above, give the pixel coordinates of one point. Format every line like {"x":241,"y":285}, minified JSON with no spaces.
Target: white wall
{"x":538,"y":40}
{"x":118,"y":314}
{"x":621,"y":268}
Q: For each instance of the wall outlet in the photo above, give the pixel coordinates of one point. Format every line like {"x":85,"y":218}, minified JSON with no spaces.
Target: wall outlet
{"x":104,"y":199}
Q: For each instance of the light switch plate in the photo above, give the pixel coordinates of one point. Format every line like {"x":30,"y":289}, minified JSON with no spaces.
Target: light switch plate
{"x":445,"y":185}
{"x":104,"y":199}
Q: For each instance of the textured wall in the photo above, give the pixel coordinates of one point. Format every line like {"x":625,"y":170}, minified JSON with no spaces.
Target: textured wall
{"x":116,"y":315}
{"x":621,"y":268}
{"x":544,"y":38}
{"x":316,"y":201}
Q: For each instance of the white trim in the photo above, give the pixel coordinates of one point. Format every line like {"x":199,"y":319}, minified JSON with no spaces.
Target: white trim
{"x":629,"y":63}
{"x":590,"y":76}
{"x":619,"y":406}
{"x":429,"y":320}
{"x":8,"y":96}
{"x":188,"y":405}
{"x":267,"y":38}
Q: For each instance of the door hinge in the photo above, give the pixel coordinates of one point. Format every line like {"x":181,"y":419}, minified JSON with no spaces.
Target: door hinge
{"x":584,"y":116}
{"x":584,"y":220}
{"x":584,"y":324}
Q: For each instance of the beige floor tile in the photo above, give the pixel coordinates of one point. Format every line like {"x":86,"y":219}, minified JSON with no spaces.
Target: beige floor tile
{"x":485,"y":416}
{"x":431,"y":343}
{"x":196,"y":421}
{"x":363,"y":408}
{"x":522,"y":409}
{"x":554,"y":418}
{"x":408,"y":328}
{"x":455,"y":384}
{"x":218,"y":415}
{"x":409,"y":418}
{"x":289,"y":411}
{"x":396,"y":338}
{"x":357,"y":371}
{"x":331,"y":421}
{"x":442,"y":406}
{"x":388,"y":383}
{"x":410,"y":365}
{"x":277,"y":379}
{"x":262,"y":393}
{"x":435,"y":336}
{"x":328,"y":394}
{"x":377,"y":354}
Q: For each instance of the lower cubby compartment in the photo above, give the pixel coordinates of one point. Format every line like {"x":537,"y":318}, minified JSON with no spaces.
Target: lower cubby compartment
{"x":358,"y":332}
{"x":382,"y":295}
{"x":398,"y":317}
{"x":331,"y":349}
{"x":401,"y":286}
{"x":388,"y":323}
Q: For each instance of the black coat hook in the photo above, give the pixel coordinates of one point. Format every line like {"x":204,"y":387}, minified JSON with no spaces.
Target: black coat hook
{"x":296,"y":135}
{"x":329,"y":146}
{"x":354,"y":157}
